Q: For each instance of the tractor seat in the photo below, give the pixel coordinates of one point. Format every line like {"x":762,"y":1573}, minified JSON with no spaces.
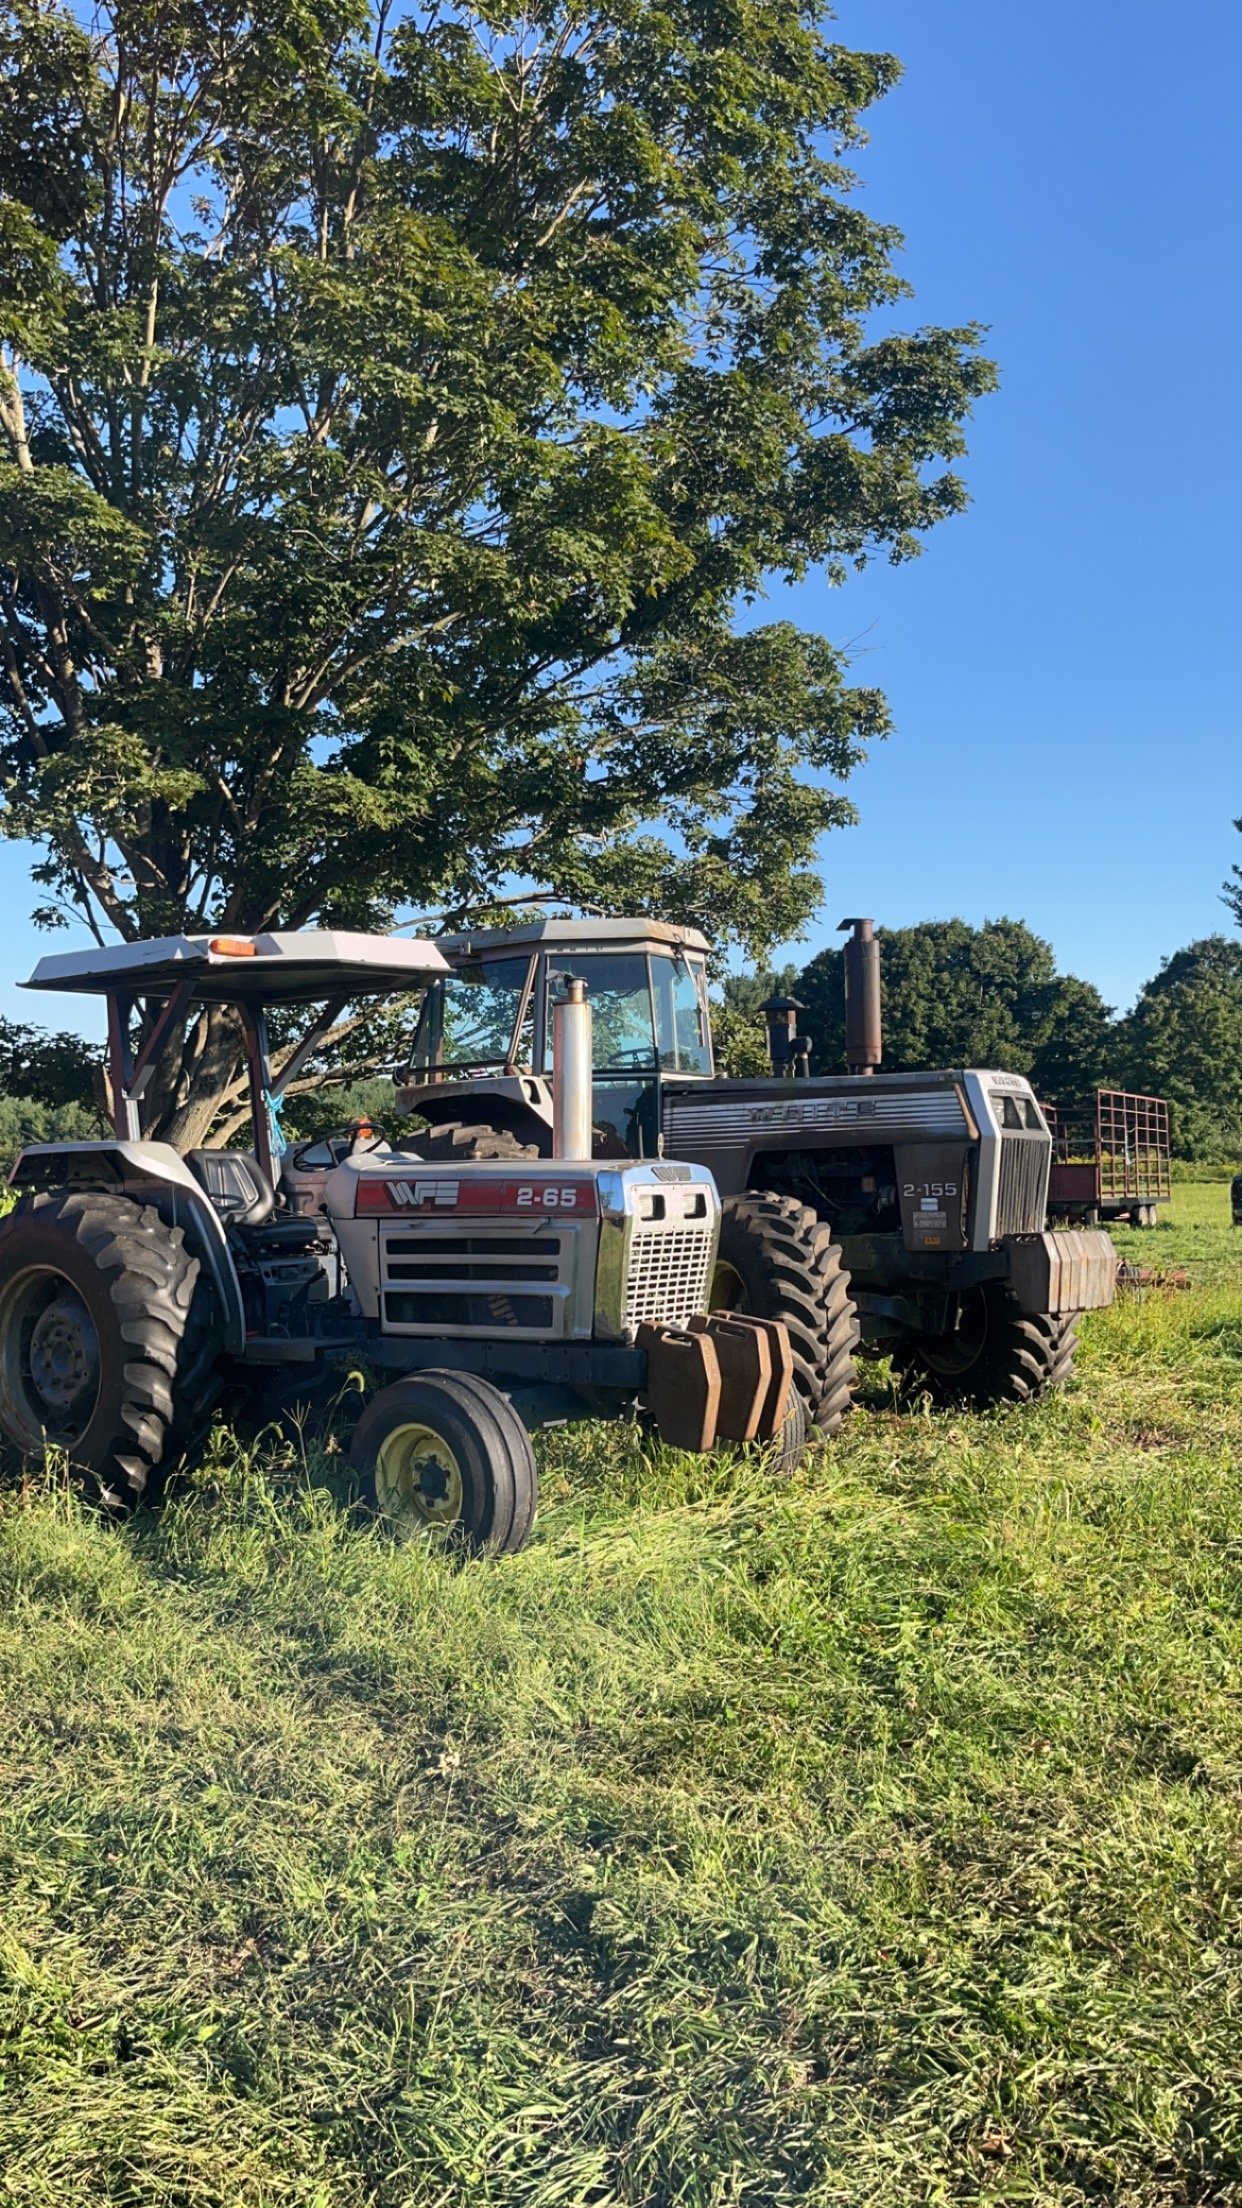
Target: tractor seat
{"x":239,"y":1190}
{"x":235,"y":1184}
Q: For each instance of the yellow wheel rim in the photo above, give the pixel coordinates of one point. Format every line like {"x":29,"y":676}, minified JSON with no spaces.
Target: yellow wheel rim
{"x":418,"y":1483}
{"x":728,"y":1294}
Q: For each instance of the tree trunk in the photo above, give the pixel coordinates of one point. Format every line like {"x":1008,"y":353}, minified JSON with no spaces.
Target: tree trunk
{"x":193,"y":1079}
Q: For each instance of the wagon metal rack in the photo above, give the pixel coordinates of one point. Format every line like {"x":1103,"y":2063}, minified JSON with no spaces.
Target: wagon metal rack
{"x":1113,"y":1164}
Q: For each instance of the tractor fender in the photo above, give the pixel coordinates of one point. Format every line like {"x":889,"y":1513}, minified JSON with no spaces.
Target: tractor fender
{"x":150,"y":1173}
{"x":520,"y":1103}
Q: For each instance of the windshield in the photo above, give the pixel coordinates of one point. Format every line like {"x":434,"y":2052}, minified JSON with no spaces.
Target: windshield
{"x":468,"y":1020}
{"x":620,"y":1004}
{"x":638,"y":1004}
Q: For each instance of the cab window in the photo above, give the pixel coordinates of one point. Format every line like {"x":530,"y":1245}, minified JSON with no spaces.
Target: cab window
{"x":469,"y":1019}
{"x":681,"y":1018}
{"x":620,"y":998}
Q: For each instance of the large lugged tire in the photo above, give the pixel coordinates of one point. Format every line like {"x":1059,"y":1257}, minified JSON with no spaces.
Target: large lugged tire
{"x":455,"y":1141}
{"x":778,"y":1261}
{"x":109,"y":1340}
{"x":445,"y":1457}
{"x":998,"y":1355}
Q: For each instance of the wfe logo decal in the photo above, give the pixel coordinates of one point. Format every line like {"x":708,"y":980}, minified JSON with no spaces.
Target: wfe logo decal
{"x":412,"y":1195}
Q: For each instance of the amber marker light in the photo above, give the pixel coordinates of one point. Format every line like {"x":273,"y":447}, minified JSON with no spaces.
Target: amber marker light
{"x":231,"y":946}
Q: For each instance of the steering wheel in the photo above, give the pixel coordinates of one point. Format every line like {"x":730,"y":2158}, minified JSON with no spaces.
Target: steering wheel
{"x":640,"y":1060}
{"x":339,"y":1142}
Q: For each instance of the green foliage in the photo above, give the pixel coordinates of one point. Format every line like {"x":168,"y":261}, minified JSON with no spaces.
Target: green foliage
{"x":26,"y":1119}
{"x":871,"y":1840}
{"x":49,"y":1069}
{"x":314,"y":1111}
{"x":1183,"y":1040}
{"x":395,"y":411}
{"x":954,"y":995}
{"x":45,"y":1089}
{"x":738,"y":1029}
{"x":739,"y":1041}
{"x":745,"y":993}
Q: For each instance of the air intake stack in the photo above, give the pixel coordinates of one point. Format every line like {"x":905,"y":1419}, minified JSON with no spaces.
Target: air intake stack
{"x":864,"y":1037}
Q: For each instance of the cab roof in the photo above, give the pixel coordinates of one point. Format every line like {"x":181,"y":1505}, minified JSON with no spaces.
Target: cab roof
{"x":574,"y":935}
{"x":301,"y":967}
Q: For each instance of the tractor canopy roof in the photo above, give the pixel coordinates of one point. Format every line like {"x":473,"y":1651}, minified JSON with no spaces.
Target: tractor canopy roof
{"x":574,"y":935}
{"x":305,"y":967}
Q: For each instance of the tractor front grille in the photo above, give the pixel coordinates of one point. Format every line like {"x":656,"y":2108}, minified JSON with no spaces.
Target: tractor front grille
{"x":669,"y":1272}
{"x":478,"y":1279}
{"x":1022,"y":1193}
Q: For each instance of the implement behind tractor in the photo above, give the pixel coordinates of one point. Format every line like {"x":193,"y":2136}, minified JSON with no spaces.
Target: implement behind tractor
{"x":505,"y":1291}
{"x":1111,"y":1162}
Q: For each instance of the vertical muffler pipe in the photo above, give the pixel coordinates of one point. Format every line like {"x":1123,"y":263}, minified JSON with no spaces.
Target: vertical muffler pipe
{"x":781,"y":1017}
{"x":864,"y":1035}
{"x":571,"y":1070}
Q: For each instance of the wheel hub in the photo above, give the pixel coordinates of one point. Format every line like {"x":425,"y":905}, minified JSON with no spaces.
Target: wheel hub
{"x":64,"y":1352}
{"x":418,"y":1482}
{"x":50,"y":1360}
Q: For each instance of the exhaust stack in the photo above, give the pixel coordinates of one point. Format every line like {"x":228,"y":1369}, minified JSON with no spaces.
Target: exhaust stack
{"x":571,"y":1070}
{"x":864,"y":1034}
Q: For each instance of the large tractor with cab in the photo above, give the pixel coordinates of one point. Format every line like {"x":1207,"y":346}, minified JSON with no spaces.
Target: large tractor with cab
{"x":903,"y":1210}
{"x":484,"y":1289}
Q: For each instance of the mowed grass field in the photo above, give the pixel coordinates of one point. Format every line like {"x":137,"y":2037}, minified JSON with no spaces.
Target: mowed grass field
{"x":874,"y":1839}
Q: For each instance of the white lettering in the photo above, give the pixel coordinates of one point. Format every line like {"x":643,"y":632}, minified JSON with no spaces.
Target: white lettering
{"x":411,"y":1195}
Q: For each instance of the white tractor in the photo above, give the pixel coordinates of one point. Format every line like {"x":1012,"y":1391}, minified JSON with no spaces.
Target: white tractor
{"x":501,"y":1293}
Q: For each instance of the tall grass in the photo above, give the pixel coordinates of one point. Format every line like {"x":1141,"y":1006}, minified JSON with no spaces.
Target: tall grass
{"x":871,"y":1839}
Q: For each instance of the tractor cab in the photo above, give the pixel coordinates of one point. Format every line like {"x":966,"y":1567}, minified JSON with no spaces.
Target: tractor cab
{"x":489,"y":1022}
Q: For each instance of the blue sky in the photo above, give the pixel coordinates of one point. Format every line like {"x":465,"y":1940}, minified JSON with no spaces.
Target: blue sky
{"x":1062,"y":661}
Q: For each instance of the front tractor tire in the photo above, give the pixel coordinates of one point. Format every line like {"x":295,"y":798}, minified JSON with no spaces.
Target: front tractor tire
{"x":455,"y":1142}
{"x":109,"y":1341}
{"x":778,"y":1260}
{"x":996,"y":1354}
{"x":443,"y":1457}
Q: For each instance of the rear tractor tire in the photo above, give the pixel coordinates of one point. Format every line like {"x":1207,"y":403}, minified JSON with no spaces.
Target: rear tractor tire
{"x":778,"y":1261}
{"x":444,"y":1457}
{"x":109,"y":1341}
{"x":998,"y":1354}
{"x":455,"y":1142}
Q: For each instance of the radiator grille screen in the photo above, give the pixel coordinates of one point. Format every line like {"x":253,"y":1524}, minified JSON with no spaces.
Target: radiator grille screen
{"x":1022,"y":1198}
{"x":668,"y":1275}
